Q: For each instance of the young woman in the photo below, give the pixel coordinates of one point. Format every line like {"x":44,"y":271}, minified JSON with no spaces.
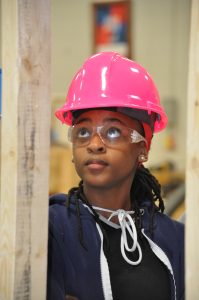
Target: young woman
{"x":109,"y":238}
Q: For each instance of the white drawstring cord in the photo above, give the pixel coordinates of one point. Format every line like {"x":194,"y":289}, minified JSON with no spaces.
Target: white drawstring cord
{"x":126,"y":224}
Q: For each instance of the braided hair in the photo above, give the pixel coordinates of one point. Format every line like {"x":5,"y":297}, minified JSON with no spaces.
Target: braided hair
{"x":144,"y":186}
{"x":78,"y":194}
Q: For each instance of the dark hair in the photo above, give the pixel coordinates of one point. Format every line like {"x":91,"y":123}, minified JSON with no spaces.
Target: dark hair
{"x":144,"y":186}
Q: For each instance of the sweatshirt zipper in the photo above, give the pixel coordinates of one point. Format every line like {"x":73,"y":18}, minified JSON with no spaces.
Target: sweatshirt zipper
{"x":163,"y":257}
{"x":105,"y":276}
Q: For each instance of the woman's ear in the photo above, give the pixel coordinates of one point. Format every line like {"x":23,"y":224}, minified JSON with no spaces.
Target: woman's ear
{"x":143,"y":156}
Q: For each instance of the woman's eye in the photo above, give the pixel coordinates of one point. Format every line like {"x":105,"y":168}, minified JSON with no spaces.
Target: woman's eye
{"x":83,"y":133}
{"x":113,"y":132}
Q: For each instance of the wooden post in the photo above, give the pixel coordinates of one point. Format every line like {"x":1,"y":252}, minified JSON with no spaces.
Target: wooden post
{"x":192,"y":173}
{"x":25,"y":148}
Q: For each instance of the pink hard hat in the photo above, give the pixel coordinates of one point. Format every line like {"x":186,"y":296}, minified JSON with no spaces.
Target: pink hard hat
{"x":108,"y":79}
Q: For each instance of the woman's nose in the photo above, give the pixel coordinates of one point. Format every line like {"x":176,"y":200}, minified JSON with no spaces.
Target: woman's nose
{"x":96,"y":144}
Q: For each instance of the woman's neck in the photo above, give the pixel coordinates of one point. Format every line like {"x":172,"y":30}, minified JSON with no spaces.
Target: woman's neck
{"x":113,"y":199}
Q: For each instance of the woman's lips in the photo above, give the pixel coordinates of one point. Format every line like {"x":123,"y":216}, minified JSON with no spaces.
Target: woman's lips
{"x":96,"y":164}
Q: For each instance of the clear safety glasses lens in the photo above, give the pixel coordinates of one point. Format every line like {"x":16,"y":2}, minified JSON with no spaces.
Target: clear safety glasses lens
{"x":111,"y":135}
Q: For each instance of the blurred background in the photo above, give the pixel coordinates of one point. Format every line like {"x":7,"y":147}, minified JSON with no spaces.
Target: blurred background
{"x":154,"y":33}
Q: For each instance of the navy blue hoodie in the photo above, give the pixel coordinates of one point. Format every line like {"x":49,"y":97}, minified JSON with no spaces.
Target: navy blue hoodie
{"x":83,"y":273}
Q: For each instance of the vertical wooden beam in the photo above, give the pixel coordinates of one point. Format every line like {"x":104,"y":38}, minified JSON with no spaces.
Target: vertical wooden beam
{"x":25,"y":148}
{"x":192,"y":173}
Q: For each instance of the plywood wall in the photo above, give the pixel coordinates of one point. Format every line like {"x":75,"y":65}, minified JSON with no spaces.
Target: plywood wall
{"x":192,"y":172}
{"x":24,"y":149}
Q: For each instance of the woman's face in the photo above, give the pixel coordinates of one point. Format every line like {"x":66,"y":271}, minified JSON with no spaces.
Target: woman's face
{"x":100,"y":163}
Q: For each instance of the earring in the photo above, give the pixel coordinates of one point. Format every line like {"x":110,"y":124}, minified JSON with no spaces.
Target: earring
{"x":142,"y":158}
{"x":72,"y":160}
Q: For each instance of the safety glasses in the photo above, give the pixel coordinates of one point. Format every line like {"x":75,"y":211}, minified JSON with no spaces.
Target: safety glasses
{"x":112,"y":135}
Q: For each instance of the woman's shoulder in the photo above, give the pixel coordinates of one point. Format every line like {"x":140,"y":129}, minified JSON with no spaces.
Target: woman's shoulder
{"x":59,"y":199}
{"x":162,"y":222}
{"x":169,"y":221}
{"x":62,"y":210}
{"x":172,"y":229}
{"x":57,"y":211}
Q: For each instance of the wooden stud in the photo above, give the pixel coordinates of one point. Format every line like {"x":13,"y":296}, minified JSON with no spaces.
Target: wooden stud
{"x":24,"y":148}
{"x":192,"y":172}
